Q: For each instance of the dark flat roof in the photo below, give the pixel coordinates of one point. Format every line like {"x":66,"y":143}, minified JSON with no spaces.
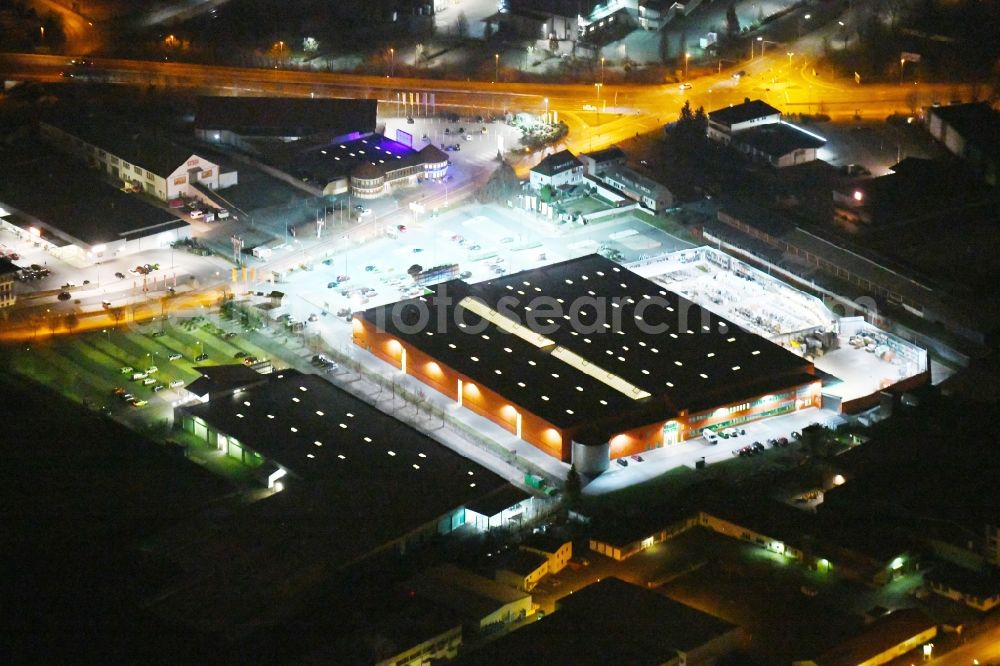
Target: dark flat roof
{"x":588,"y":351}
{"x":7,"y":266}
{"x":490,"y":505}
{"x":978,"y":123}
{"x":884,"y":633}
{"x":329,"y":161}
{"x":216,"y":378}
{"x":982,"y":584}
{"x":146,"y":147}
{"x":545,"y":543}
{"x":610,"y":622}
{"x":359,"y":446}
{"x":522,"y":562}
{"x":71,"y":199}
{"x":285,"y":116}
{"x":741,"y":113}
{"x":607,"y":154}
{"x":779,"y":139}
{"x":463,"y":592}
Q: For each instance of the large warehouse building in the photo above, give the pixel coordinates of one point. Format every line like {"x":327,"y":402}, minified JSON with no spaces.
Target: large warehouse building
{"x":245,"y":121}
{"x":74,"y":213}
{"x":140,"y":157}
{"x":295,"y":428}
{"x":586,"y":360}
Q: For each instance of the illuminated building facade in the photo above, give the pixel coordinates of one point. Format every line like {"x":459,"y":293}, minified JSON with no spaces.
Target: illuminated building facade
{"x":586,"y":360}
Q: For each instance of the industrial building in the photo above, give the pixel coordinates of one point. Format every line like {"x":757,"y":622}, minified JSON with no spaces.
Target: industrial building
{"x":370,"y":165}
{"x":485,"y":606}
{"x":586,"y":360}
{"x":246,"y":122}
{"x":300,"y":429}
{"x":7,"y":272}
{"x":76,"y":214}
{"x":614,"y":622}
{"x":756,"y":129}
{"x":141,"y":158}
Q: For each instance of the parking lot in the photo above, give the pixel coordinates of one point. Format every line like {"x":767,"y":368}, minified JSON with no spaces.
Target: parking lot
{"x":88,"y":367}
{"x":657,"y":462}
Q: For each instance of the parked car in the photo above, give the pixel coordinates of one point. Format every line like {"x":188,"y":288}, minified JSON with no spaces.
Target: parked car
{"x":175,"y":356}
{"x":332,"y":285}
{"x":201,"y":357}
{"x":197,"y":214}
{"x":64,"y":296}
{"x":739,"y":75}
{"x":622,"y":462}
{"x":120,"y":275}
{"x":222,"y":213}
{"x":177,"y":383}
{"x":686,"y":86}
{"x":343,"y":278}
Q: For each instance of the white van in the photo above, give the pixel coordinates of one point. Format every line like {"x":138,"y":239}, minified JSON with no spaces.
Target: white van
{"x":710,"y":436}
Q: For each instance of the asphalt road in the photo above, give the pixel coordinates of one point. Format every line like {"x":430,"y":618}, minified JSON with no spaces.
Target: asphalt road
{"x":624,"y":110}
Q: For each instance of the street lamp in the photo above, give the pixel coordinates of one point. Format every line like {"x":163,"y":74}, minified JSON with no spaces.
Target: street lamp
{"x":759,"y":39}
{"x":392,"y":61}
{"x":790,"y":54}
{"x":496,"y":68}
{"x":687,"y":56}
{"x":602,"y":70}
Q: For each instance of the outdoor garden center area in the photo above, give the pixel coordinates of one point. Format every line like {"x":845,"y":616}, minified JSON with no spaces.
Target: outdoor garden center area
{"x":860,"y":358}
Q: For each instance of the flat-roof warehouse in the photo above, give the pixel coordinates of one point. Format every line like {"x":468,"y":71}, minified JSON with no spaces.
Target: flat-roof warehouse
{"x":300,"y":427}
{"x":586,"y":360}
{"x":75,"y":213}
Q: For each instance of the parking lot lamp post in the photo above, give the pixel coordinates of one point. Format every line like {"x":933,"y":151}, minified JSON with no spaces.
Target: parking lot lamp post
{"x":392,"y":61}
{"x":496,"y":68}
{"x":687,"y":57}
{"x":790,"y":54}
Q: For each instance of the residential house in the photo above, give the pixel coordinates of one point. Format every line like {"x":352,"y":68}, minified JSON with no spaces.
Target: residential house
{"x":556,"y":170}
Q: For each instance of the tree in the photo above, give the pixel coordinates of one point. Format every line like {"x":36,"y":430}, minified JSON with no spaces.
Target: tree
{"x":547,"y":194}
{"x":732,"y":21}
{"x":502,"y":185}
{"x":573,"y":488}
{"x":700,"y":120}
{"x":71,"y":321}
{"x":488,"y":31}
{"x":462,"y":26}
{"x":687,"y":116}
